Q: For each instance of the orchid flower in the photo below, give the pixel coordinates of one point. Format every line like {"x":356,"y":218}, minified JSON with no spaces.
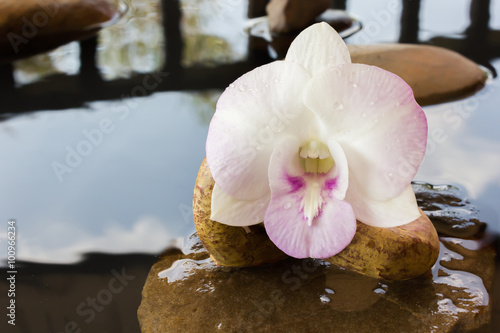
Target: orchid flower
{"x":313,"y":143}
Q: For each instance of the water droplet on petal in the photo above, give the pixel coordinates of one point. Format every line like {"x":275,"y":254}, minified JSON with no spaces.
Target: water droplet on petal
{"x":324,"y":299}
{"x":338,"y":106}
{"x":242,"y":88}
{"x":390,"y":174}
{"x":259,"y":148}
{"x":354,"y":85}
{"x":287,"y":205}
{"x":379,"y":291}
{"x":329,"y":291}
{"x":231,"y":85}
{"x":397,"y":103}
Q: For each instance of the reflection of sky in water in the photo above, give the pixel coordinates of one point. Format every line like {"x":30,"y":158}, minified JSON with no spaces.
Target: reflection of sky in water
{"x":382,"y":28}
{"x":464,"y":148}
{"x":133,"y":192}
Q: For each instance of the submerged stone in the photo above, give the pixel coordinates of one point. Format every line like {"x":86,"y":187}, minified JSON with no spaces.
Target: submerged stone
{"x":186,"y":292}
{"x":435,"y":74}
{"x":396,"y":253}
{"x":451,"y":214}
{"x":29,"y":27}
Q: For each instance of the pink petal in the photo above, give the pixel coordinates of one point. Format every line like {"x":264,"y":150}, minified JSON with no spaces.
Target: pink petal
{"x":317,"y":48}
{"x":252,"y":115}
{"x":238,"y":213}
{"x":330,"y":231}
{"x":373,"y":115}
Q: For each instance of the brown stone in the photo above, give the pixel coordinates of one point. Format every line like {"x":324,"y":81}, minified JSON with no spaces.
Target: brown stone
{"x":287,"y":16}
{"x":187,"y":292}
{"x":435,"y":74}
{"x":396,"y":253}
{"x":32,"y":26}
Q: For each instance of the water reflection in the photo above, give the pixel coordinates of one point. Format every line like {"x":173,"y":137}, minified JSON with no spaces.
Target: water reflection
{"x":462,"y":148}
{"x":116,"y":196}
{"x":133,"y":45}
{"x":213,"y":32}
{"x":63,"y":60}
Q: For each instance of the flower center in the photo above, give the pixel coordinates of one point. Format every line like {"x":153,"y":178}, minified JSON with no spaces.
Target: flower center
{"x":315,"y":157}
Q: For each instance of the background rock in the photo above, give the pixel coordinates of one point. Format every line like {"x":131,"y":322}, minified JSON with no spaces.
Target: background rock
{"x":28,"y":27}
{"x":435,"y":74}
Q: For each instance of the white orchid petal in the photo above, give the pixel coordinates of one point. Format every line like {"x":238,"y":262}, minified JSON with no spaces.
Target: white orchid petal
{"x":228,"y":210}
{"x":397,"y":211}
{"x":372,"y":113}
{"x":317,"y":48}
{"x":251,"y":117}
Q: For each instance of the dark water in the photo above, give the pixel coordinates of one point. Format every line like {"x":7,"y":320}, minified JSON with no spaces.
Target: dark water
{"x":86,"y":168}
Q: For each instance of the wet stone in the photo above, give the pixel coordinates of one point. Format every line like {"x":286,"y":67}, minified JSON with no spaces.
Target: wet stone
{"x":186,"y":292}
{"x":29,"y":27}
{"x":435,"y":74}
{"x":449,"y":211}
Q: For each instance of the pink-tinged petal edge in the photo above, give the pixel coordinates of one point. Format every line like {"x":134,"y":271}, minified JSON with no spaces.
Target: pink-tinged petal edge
{"x":331,"y":230}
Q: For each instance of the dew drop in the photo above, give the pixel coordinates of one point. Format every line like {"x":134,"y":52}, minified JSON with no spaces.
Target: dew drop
{"x":231,"y":85}
{"x":354,"y":85}
{"x":390,"y":174}
{"x":379,"y":291}
{"x":242,"y":88}
{"x":287,"y":205}
{"x":324,"y":299}
{"x":338,"y":106}
{"x":329,"y":291}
